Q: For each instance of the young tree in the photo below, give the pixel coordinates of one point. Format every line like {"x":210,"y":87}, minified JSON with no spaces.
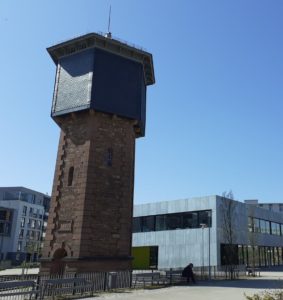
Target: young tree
{"x":228,"y":216}
{"x":253,"y":230}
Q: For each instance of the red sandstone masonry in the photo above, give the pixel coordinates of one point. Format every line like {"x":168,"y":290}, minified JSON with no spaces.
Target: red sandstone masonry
{"x":97,"y":209}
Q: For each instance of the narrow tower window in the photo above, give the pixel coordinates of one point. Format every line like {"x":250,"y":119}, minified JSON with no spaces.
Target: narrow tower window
{"x":71,"y":176}
{"x":109,"y":157}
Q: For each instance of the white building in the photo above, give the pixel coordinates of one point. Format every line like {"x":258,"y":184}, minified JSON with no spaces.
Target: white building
{"x":173,"y":233}
{"x":23,"y":235}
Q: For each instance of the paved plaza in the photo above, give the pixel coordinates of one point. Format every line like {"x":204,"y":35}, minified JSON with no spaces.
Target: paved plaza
{"x":207,"y":290}
{"x":213,"y":290}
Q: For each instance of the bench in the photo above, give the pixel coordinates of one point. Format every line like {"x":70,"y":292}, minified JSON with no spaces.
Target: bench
{"x":253,"y":272}
{"x":175,"y":276}
{"x":18,"y":288}
{"x":149,"y":278}
{"x":75,"y":285}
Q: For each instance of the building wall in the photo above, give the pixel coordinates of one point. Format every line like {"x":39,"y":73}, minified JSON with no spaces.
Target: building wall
{"x":278,"y":207}
{"x":269,"y":215}
{"x":91,"y":215}
{"x":177,"y":248}
{"x":239,"y":223}
{"x":11,"y":244}
{"x":6,"y":239}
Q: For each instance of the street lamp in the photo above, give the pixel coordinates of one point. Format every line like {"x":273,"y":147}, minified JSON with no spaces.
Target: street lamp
{"x":203,"y":225}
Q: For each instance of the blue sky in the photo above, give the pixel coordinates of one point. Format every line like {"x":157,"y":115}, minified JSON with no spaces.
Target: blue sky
{"x":214,"y":116}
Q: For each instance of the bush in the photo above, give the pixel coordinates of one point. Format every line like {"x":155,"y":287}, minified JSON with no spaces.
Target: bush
{"x":275,"y":295}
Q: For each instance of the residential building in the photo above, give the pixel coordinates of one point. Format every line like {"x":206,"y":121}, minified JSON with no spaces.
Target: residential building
{"x":172,"y":234}
{"x":270,"y":206}
{"x":23,"y":213}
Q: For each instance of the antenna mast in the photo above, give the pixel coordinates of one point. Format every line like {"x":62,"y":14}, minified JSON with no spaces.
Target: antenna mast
{"x":108,"y":34}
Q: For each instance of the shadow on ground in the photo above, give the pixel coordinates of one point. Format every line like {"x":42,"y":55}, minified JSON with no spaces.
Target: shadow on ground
{"x":243,"y":283}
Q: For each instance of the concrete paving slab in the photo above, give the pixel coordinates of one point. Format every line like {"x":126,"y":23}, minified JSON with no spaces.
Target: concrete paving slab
{"x":212,"y":290}
{"x":18,"y":271}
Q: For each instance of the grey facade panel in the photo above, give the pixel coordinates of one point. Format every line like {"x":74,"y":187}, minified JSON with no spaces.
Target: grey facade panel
{"x":73,"y":83}
{"x":176,"y":248}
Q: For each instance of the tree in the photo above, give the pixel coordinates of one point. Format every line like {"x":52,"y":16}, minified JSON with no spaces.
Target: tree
{"x":228,"y":217}
{"x":253,"y":230}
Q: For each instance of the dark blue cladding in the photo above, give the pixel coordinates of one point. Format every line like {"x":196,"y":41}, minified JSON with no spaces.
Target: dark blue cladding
{"x":103,"y":81}
{"x":119,"y":86}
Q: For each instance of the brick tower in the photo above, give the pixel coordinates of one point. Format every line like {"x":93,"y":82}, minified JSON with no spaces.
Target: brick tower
{"x":99,"y":103}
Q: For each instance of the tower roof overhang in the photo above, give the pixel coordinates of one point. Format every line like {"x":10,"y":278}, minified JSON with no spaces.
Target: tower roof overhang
{"x":95,"y":40}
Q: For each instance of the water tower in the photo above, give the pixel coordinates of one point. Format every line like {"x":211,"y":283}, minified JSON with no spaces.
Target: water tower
{"x":99,"y":103}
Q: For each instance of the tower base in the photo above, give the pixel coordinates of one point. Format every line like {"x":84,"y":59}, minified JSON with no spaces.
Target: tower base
{"x":85,"y":265}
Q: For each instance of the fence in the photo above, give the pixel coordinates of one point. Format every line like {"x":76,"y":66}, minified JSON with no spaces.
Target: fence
{"x":86,"y":284}
{"x":71,"y":285}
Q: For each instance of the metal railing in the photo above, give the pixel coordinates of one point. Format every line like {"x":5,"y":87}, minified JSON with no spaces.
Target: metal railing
{"x":19,"y":287}
{"x":73,"y":285}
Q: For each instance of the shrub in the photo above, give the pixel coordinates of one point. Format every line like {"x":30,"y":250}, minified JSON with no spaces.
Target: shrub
{"x":274,"y":295}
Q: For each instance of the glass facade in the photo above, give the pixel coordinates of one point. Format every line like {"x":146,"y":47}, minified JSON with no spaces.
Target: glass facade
{"x":173,"y":221}
{"x":264,"y":226}
{"x":257,"y":256}
{"x":23,"y":196}
{"x":6,"y":217}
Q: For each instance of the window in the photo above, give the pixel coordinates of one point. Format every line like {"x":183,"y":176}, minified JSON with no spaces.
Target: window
{"x":148,"y":223}
{"x":71,"y":176}
{"x":160,"y":223}
{"x":263,"y":226}
{"x":268,"y":227}
{"x":190,"y":220}
{"x":6,"y":215}
{"x":109,"y":157}
{"x":24,"y":210}
{"x":205,"y":217}
{"x":11,"y":196}
{"x":32,"y":223}
{"x":2,"y":215}
{"x":23,"y":221}
{"x":2,"y":228}
{"x":250,"y":224}
{"x":137,"y":225}
{"x":229,"y":254}
{"x":172,"y":221}
{"x":256,"y":225}
{"x":38,"y":224}
{"x":20,"y":246}
{"x":37,"y":236}
{"x":32,"y":235}
{"x":21,"y":234}
{"x":30,"y":198}
{"x":275,"y":228}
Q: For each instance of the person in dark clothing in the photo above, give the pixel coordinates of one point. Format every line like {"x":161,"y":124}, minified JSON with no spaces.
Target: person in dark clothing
{"x":188,"y":272}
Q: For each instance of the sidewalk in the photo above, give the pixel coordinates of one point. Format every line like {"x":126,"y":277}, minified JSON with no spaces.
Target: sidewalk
{"x":213,"y":290}
{"x":18,"y":271}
